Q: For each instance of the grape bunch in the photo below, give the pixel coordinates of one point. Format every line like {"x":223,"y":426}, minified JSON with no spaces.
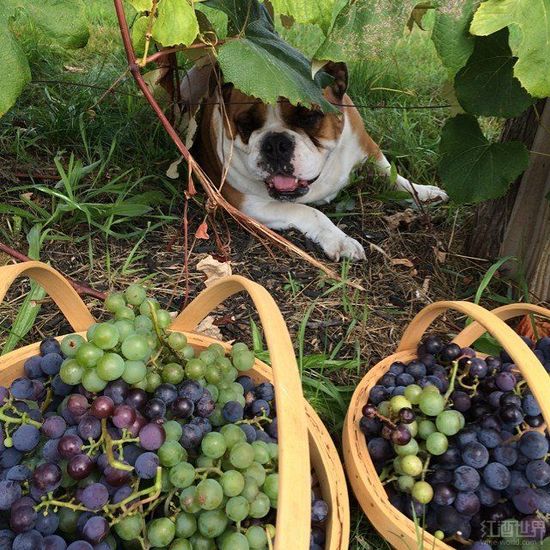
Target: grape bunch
{"x":129,"y":439}
{"x":456,"y":438}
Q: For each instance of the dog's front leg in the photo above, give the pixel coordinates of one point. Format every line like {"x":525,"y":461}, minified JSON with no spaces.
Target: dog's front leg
{"x":311,"y":222}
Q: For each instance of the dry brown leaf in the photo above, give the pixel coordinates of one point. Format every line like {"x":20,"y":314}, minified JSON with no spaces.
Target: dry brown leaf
{"x":208,"y":328}
{"x":173,"y":172}
{"x":402,"y":261}
{"x":398,"y":219}
{"x":440,"y":255}
{"x":71,"y":69}
{"x":213,"y":269}
{"x":202,"y":231}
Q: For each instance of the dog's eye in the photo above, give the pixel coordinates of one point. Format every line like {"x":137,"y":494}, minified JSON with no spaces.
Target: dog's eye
{"x":246,"y":124}
{"x":307,"y":118}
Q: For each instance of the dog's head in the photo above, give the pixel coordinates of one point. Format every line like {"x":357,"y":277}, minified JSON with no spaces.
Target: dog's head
{"x":284,"y":146}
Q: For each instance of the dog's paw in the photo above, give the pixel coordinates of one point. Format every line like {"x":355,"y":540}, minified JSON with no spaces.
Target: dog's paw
{"x":337,"y":247}
{"x":428,"y":193}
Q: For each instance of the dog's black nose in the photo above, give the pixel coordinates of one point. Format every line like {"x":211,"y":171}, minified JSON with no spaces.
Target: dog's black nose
{"x":277,"y":148}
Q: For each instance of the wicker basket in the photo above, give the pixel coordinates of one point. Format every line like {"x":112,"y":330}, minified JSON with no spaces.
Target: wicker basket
{"x":303,"y":439}
{"x":394,"y":526}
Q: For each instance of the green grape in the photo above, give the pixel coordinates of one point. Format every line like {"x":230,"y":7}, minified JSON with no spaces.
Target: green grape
{"x":243,"y":360}
{"x":430,"y":388}
{"x":71,"y":372}
{"x":213,"y":445}
{"x":411,"y":448}
{"x":399,"y":402}
{"x":188,"y":352}
{"x":135,"y":294}
{"x":230,"y":375}
{"x":271,"y":487}
{"x":186,"y":525}
{"x":251,"y":488}
{"x":165,"y":483}
{"x":125,"y":328}
{"x":143,"y":323}
{"x":238,"y":347}
{"x":237,"y":508}
{"x":260,"y":506}
{"x":163,"y":318}
{"x":241,"y":455}
{"x":173,"y":430}
{"x":181,"y":544}
{"x":232,"y":435}
{"x":198,"y":542}
{"x":261,"y":452}
{"x":257,"y":471}
{"x":114,"y":302}
{"x":384,"y":408}
{"x":216,"y":418}
{"x":135,"y":348}
{"x":188,"y":499}
{"x":413,"y":393}
{"x":129,"y":528}
{"x":110,"y":366}
{"x":208,"y":356}
{"x":411,"y":465}
{"x":105,"y":336}
{"x":67,"y":520}
{"x":218,"y":349}
{"x":213,"y":374}
{"x":212,"y":523}
{"x":257,"y":539}
{"x":224,"y":364}
{"x":142,"y":384}
{"x":172,"y":373}
{"x":226,"y":395}
{"x":437,"y":443}
{"x":195,"y":369}
{"x":209,"y":494}
{"x":235,"y":541}
{"x":422,"y":491}
{"x":153,"y":381}
{"x":182,"y":475}
{"x":232,"y":483}
{"x":397,"y":465}
{"x":439,"y":534}
{"x":90,"y":331}
{"x":214,"y":392}
{"x":412,"y":428}
{"x":171,"y":453}
{"x":426,"y":428}
{"x":449,"y":422}
{"x":134,"y":372}
{"x":205,"y":462}
{"x":405,"y":483}
{"x":273,"y":450}
{"x":70,"y":344}
{"x":92,"y":382}
{"x":88,"y":355}
{"x":161,"y":532}
{"x":177,"y":340}
{"x":125,"y":313}
{"x":431,"y":403}
{"x":147,"y":305}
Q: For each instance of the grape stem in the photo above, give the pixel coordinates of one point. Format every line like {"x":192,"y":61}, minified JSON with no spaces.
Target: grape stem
{"x":60,"y":504}
{"x":109,"y":449}
{"x":25,"y":419}
{"x":452,"y":382}
{"x":47,"y":401}
{"x":151,"y":492}
{"x":426,"y":466}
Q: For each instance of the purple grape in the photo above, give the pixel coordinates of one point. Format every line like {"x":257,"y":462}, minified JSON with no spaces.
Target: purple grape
{"x":205,"y":406}
{"x":69,"y":445}
{"x":23,"y":518}
{"x":32,"y":367}
{"x":26,"y":438}
{"x":49,"y":345}
{"x":166,"y":393}
{"x":102,"y":407}
{"x":54,"y":427}
{"x":117,"y":391}
{"x":136,"y":398}
{"x":22,"y":388}
{"x":265,"y":391}
{"x":182,"y":407}
{"x":525,"y":501}
{"x":124,"y":416}
{"x":54,"y":542}
{"x":30,"y":540}
{"x":246,"y":382}
{"x":96,"y":529}
{"x":505,"y":454}
{"x":47,"y":476}
{"x":467,"y":503}
{"x":533,"y":445}
{"x":51,"y":363}
{"x":152,"y":436}
{"x":319,"y":511}
{"x":47,"y":524}
{"x":466,"y":478}
{"x":191,"y":436}
{"x":80,"y":545}
{"x":146,"y":465}
{"x":538,"y":473}
{"x":433,"y":345}
{"x":444,"y":495}
{"x":378,"y":394}
{"x":505,"y":381}
{"x":80,"y":466}
{"x":95,"y":496}
{"x":21,"y":472}
{"x":475,"y":454}
{"x":233,"y":411}
{"x":191,"y":389}
{"x":89,"y":427}
{"x":496,"y":476}
{"x":122,"y":493}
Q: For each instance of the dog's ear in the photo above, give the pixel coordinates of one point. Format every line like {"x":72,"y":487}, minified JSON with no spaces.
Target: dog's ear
{"x":339,"y":72}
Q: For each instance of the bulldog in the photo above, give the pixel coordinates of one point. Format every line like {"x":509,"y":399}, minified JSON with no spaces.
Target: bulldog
{"x":277,"y":160}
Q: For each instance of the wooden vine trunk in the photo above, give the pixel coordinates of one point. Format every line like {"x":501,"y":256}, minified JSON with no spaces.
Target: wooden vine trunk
{"x":518,"y":224}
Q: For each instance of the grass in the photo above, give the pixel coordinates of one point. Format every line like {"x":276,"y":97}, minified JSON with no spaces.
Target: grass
{"x":109,"y":156}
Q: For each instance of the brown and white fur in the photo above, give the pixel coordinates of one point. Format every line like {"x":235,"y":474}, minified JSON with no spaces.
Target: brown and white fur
{"x":278,"y":159}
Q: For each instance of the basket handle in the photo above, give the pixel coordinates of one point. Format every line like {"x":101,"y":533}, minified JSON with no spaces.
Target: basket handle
{"x":530,"y":367}
{"x":61,"y":292}
{"x":474,"y":330}
{"x":294,"y":465}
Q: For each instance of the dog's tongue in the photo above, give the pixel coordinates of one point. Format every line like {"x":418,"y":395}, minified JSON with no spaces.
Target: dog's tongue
{"x":284,"y":183}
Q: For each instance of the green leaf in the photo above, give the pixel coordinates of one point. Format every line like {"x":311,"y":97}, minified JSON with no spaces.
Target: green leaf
{"x":306,"y":11}
{"x":530,"y":20}
{"x":471,"y":168}
{"x":141,"y":5}
{"x":15,"y":68}
{"x":176,"y":23}
{"x":216,"y":18}
{"x":61,"y":20}
{"x":345,"y":41}
{"x":261,"y":51}
{"x":452,"y":40}
{"x":139,"y":29}
{"x":486,"y":86}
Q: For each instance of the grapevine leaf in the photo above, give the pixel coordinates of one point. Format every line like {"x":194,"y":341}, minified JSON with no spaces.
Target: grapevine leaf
{"x":473,"y":169}
{"x":260,"y":51}
{"x":530,"y":43}
{"x":306,"y":11}
{"x":62,"y":20}
{"x":14,"y":64}
{"x":216,"y":18}
{"x":176,"y":23}
{"x":486,"y":86}
{"x":139,"y":29}
{"x":418,"y":13}
{"x":345,"y":40}
{"x":305,"y":38}
{"x":451,"y":37}
{"x":141,"y":5}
